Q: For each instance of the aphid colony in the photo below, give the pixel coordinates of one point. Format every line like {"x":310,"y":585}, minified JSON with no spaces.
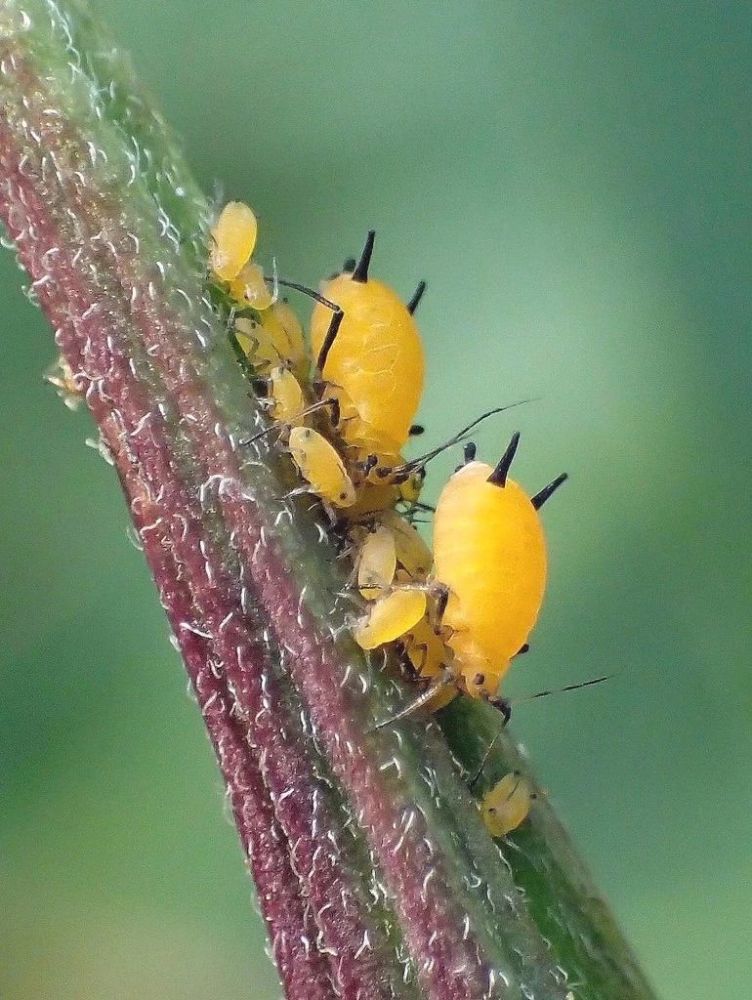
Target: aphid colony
{"x":457,"y":614}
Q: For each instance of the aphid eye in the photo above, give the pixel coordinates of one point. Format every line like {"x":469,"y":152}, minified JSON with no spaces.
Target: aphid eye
{"x":479,"y":679}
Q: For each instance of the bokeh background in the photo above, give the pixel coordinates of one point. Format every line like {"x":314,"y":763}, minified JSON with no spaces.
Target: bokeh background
{"x":573,"y":181}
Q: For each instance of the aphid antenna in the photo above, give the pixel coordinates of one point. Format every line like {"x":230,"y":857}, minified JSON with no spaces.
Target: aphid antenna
{"x":438,"y":683}
{"x":420,"y":462}
{"x":562,"y":690}
{"x":296,"y":286}
{"x":280,"y":425}
{"x":417,"y":295}
{"x":360,"y":274}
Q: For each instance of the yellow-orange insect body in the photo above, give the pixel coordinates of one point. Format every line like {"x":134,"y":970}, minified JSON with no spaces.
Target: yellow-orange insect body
{"x":490,"y":556}
{"x":374,"y":364}
{"x":286,"y":397}
{"x":377,"y":563}
{"x":322,"y":468}
{"x":273,"y":338}
{"x":390,"y":617}
{"x":428,"y":654}
{"x":507,"y":805}
{"x":286,"y":334}
{"x":250,"y":288}
{"x":411,"y":551}
{"x":372,"y":500}
{"x":234,"y":239}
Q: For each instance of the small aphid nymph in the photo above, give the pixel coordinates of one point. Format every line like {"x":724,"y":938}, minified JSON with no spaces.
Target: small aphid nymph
{"x":234,"y":239}
{"x":507,"y":805}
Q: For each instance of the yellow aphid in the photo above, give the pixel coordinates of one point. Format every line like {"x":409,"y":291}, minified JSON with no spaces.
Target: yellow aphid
{"x":286,"y":395}
{"x":249,"y":288}
{"x":490,"y":562}
{"x":426,"y":649}
{"x":507,"y":805}
{"x":287,"y":334}
{"x":390,"y":617}
{"x":412,"y":552}
{"x":256,"y":342}
{"x":377,"y":563}
{"x":375,"y":360}
{"x":234,"y":236}
{"x":321,"y":467}
{"x":490,"y":555}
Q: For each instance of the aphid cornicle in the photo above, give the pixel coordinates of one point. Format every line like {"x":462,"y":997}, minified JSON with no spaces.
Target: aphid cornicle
{"x":372,"y":358}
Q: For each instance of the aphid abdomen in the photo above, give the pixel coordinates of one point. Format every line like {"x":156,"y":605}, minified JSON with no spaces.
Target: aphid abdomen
{"x":377,"y":357}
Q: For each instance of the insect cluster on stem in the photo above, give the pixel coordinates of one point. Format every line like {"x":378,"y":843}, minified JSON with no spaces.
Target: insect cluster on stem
{"x":343,"y":402}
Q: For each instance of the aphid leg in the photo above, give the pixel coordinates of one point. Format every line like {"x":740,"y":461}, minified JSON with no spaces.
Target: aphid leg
{"x":442,"y":680}
{"x":281,"y":425}
{"x":442,"y":598}
{"x":299,"y":491}
{"x":484,"y":760}
{"x":504,"y":705}
{"x":406,"y":664}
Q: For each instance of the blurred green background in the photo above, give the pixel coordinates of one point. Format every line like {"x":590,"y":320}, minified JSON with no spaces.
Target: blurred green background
{"x":573,"y":181}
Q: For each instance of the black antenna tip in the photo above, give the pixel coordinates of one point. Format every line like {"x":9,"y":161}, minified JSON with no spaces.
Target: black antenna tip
{"x":414,"y":302}
{"x":540,"y":498}
{"x":360,"y":272}
{"x":499,"y":475}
